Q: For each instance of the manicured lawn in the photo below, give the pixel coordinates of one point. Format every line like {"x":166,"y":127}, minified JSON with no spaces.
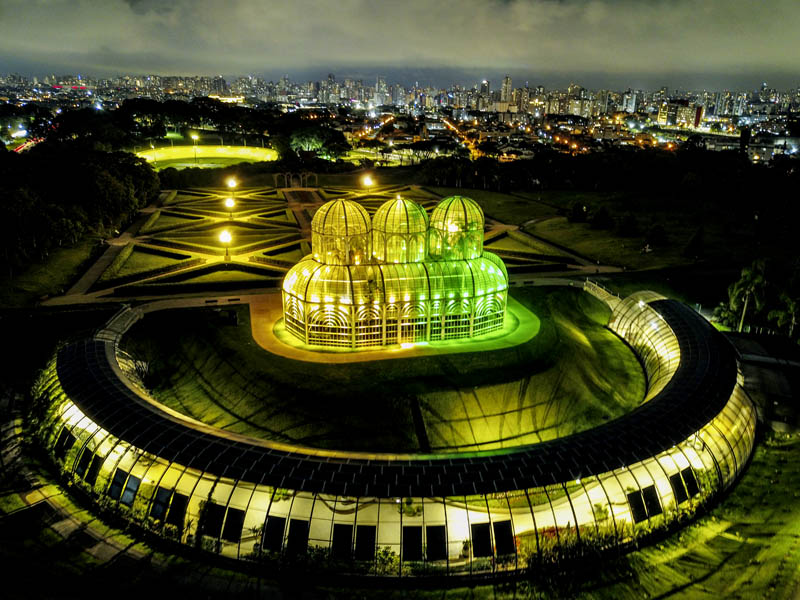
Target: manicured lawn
{"x":572,"y":375}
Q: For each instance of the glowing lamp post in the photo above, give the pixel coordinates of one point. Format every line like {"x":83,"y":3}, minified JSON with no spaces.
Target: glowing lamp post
{"x":368,"y":182}
{"x":229,"y":204}
{"x":195,"y":137}
{"x":232,"y":183}
{"x":225,"y":237}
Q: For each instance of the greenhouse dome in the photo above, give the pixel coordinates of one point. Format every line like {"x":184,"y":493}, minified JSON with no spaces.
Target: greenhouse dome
{"x":399,"y":229}
{"x":456,"y":229}
{"x":340,"y":232}
{"x":337,"y":297}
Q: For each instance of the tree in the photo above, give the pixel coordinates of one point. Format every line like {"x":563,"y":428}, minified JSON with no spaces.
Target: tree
{"x":788,"y":314}
{"x":751,"y":285}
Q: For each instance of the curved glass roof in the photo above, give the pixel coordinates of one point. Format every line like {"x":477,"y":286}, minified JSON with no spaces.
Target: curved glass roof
{"x":341,"y":218}
{"x":457,"y":213}
{"x":696,"y":393}
{"x":313,"y":282}
{"x":400,"y":216}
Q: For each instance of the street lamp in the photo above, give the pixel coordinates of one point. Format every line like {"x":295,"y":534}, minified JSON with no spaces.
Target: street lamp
{"x":229,"y":204}
{"x":225,"y":237}
{"x":153,"y":148}
{"x":368,"y":182}
{"x":195,"y":137}
{"x":232,"y":184}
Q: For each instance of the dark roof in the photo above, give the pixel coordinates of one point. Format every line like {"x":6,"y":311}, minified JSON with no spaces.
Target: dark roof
{"x":696,"y":393}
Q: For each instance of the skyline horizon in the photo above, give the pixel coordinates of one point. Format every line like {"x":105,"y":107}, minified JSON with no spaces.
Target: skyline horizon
{"x":682,"y":44}
{"x":425,"y":80}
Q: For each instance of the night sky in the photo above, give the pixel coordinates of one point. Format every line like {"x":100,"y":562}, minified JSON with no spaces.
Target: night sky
{"x":614,"y":43}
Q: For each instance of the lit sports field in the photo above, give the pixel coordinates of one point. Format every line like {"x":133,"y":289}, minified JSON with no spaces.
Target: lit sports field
{"x":205,"y":156}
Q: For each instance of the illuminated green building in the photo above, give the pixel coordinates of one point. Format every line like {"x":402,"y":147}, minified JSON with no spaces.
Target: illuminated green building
{"x":395,"y":278}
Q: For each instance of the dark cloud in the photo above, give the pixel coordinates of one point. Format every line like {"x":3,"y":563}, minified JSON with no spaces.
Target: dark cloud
{"x":540,"y":40}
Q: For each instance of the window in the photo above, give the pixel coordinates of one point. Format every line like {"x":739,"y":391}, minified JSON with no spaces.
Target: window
{"x":436,"y":548}
{"x":297,"y":542}
{"x":211,"y":519}
{"x":481,"y":540}
{"x":83,"y":463}
{"x":273,"y":533}
{"x":691,"y":482}
{"x":644,"y":504}
{"x":94,"y":470}
{"x":233,"y":525}
{"x":129,"y":493}
{"x":651,"y":501}
{"x":342,"y":542}
{"x":365,"y":542}
{"x":63,"y":444}
{"x":160,"y":503}
{"x":503,"y":538}
{"x":177,"y":510}
{"x":678,"y":488}
{"x":412,"y":543}
{"x":117,"y":484}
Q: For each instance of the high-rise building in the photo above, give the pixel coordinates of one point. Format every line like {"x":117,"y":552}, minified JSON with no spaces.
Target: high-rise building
{"x":629,"y":102}
{"x":505,"y":90}
{"x":486,"y":87}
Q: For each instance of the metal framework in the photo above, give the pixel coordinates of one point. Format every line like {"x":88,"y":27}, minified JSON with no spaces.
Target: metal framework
{"x":403,"y":293}
{"x":436,"y":514}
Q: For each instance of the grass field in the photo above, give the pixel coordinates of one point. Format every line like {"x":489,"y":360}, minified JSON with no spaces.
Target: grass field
{"x":506,"y":208}
{"x":571,"y":376}
{"x":49,"y":278}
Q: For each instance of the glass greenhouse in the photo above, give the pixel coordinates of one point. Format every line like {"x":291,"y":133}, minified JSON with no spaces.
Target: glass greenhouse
{"x":405,"y":515}
{"x":396,"y":278}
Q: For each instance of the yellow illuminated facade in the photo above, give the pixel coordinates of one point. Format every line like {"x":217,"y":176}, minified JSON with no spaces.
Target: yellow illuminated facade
{"x":435,"y":514}
{"x":395,"y":278}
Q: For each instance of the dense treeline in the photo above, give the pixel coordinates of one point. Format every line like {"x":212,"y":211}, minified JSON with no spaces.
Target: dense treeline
{"x":54,"y":194}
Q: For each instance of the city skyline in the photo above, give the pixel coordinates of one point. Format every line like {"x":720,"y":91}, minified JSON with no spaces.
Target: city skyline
{"x":617,"y":44}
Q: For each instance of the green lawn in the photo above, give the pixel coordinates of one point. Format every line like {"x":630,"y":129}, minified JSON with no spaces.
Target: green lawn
{"x":503,"y":207}
{"x":573,"y":375}
{"x":610,"y":248}
{"x":51,"y":278}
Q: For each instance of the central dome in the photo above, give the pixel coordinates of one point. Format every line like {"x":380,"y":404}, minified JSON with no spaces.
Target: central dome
{"x":399,"y":229}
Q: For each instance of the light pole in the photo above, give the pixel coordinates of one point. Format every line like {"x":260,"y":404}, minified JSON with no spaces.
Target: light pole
{"x":225,"y":237}
{"x":195,"y":137}
{"x":368,"y":182}
{"x":153,"y":148}
{"x":232,"y":183}
{"x":229,"y":204}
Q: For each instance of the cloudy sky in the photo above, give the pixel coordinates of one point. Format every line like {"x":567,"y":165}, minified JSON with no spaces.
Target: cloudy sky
{"x":647,"y":43}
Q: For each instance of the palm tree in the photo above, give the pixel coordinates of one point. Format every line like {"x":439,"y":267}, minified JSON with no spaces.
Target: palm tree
{"x":750,"y":285}
{"x":788,"y":314}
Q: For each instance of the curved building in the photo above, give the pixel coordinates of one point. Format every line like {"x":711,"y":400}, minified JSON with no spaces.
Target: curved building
{"x":396,"y":278}
{"x":450,"y":514}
